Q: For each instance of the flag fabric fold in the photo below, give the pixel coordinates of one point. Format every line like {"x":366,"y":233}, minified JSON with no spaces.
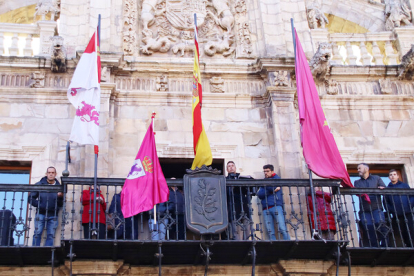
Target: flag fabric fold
{"x":145,"y":185}
{"x":202,"y":149}
{"x":84,"y":93}
{"x":319,"y":148}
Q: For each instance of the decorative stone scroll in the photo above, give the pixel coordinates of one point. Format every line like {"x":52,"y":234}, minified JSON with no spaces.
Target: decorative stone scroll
{"x":217,"y":85}
{"x":315,"y":16}
{"x":244,"y":47}
{"x":168,"y":25}
{"x":130,"y":27}
{"x":37,"y":80}
{"x":397,"y":12}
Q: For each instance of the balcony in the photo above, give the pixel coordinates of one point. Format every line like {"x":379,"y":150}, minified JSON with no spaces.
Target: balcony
{"x":386,"y":241}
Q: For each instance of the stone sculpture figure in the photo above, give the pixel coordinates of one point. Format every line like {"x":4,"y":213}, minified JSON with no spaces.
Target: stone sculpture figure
{"x":396,"y":11}
{"x":45,"y":6}
{"x":319,"y":63}
{"x":220,"y":45}
{"x":406,"y":70}
{"x":57,"y":55}
{"x":316,"y":16}
{"x":37,"y":80}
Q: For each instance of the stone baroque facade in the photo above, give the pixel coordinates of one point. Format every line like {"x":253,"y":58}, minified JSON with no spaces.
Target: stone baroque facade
{"x":248,"y":110}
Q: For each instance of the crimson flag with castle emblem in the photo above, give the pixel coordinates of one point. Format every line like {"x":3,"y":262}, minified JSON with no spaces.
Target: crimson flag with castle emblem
{"x":145,"y":185}
{"x":84,"y":93}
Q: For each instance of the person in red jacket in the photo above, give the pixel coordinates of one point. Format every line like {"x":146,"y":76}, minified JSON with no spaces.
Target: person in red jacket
{"x":326,"y":219}
{"x":87,"y":214}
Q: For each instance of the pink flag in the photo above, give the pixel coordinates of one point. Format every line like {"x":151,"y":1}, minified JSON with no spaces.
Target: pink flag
{"x":145,"y":185}
{"x":84,"y":93}
{"x":319,"y":147}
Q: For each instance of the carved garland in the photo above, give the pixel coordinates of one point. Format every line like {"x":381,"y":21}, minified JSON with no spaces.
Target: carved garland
{"x":243,"y":29}
{"x":130,"y":27}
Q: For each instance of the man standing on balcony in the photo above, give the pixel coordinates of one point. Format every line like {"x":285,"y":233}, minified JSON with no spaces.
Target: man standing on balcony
{"x":237,"y":203}
{"x":372,"y":221}
{"x":400,"y":208}
{"x":47,"y":205}
{"x":272,"y":203}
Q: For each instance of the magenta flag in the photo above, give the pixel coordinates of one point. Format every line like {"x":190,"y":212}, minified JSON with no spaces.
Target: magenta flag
{"x":319,"y":147}
{"x":145,"y":184}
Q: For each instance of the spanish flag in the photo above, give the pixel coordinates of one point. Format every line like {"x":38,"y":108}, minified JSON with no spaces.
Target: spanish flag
{"x":202,"y":149}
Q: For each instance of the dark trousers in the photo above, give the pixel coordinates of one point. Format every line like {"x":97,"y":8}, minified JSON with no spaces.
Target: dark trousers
{"x":407,"y":229}
{"x":180,"y":224}
{"x":87,"y":227}
{"x":373,"y":229}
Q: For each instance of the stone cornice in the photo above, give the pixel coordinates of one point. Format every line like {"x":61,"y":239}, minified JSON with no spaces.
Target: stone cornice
{"x":362,"y":73}
{"x":352,"y":102}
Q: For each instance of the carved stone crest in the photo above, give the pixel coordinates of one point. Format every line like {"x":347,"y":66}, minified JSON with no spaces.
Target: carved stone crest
{"x":180,"y":13}
{"x":162,"y":83}
{"x":331,"y":87}
{"x":206,"y":204}
{"x":217,"y":85}
{"x":37,"y":80}
{"x":385,"y":85}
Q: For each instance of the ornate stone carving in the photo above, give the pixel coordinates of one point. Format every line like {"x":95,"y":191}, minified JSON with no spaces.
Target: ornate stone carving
{"x":385,"y":85}
{"x":331,"y":87}
{"x":47,"y":6}
{"x":280,"y":78}
{"x":186,"y":43}
{"x":406,"y":70}
{"x":130,"y":29}
{"x":396,"y":11}
{"x":57,"y":55}
{"x":243,"y":29}
{"x":315,"y":16}
{"x":168,"y":24}
{"x":222,"y":45}
{"x":105,"y":73}
{"x":217,"y":85}
{"x":319,"y":63}
{"x":162,"y":83}
{"x":37,"y":80}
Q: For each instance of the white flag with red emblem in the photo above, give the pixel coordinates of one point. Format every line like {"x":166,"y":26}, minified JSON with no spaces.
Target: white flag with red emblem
{"x":84,"y":93}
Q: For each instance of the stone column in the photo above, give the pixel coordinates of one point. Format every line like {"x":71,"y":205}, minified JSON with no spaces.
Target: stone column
{"x":286,"y":131}
{"x":47,"y":30}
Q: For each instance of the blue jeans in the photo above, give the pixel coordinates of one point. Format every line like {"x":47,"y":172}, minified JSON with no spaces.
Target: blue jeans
{"x":275,"y":214}
{"x":374,"y":229}
{"x":158,"y":231}
{"x":51,"y":223}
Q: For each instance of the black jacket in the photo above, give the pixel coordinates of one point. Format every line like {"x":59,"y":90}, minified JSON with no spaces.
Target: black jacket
{"x":46,"y":202}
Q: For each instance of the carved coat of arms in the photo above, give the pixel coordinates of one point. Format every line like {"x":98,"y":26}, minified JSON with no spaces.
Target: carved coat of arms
{"x":206,"y":205}
{"x":180,"y":13}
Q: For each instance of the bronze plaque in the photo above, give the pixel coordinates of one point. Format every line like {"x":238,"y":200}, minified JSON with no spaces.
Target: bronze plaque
{"x":205,"y":202}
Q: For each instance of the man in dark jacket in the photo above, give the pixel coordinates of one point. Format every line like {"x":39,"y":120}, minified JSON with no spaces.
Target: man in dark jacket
{"x":400,"y":208}
{"x":272,"y":203}
{"x":373,"y":227}
{"x":122,"y":227}
{"x":177,"y":205}
{"x":237,"y":203}
{"x":47,"y":205}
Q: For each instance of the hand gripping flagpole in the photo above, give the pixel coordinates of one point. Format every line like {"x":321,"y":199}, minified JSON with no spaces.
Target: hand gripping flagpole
{"x":315,"y":232}
{"x":96,"y":147}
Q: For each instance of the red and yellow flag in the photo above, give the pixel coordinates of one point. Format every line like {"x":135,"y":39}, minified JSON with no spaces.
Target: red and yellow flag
{"x":202,"y":149}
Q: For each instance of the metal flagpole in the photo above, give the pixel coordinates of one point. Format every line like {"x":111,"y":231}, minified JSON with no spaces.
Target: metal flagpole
{"x":315,"y":232}
{"x":96,"y":147}
{"x":155,"y":206}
